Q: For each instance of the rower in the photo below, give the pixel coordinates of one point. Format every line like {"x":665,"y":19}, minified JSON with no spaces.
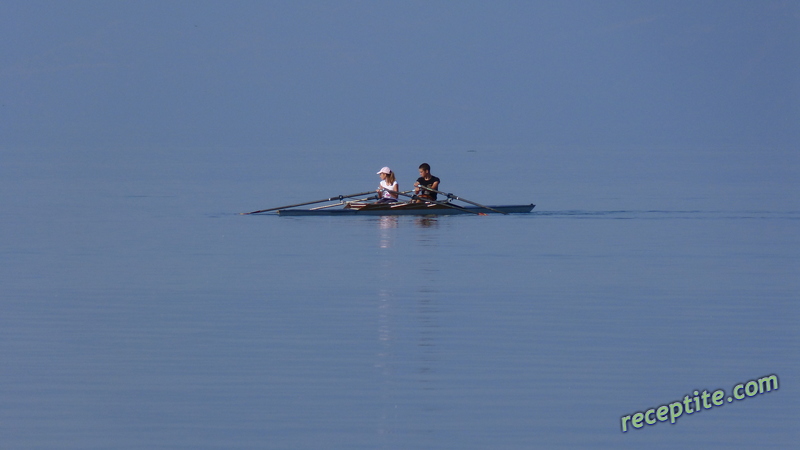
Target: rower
{"x":426,"y":180}
{"x":388,"y":188}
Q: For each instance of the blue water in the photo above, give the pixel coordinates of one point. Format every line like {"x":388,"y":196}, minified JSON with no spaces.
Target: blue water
{"x":140,"y":310}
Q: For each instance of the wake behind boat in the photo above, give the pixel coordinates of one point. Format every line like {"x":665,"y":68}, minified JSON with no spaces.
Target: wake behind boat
{"x":415,"y":206}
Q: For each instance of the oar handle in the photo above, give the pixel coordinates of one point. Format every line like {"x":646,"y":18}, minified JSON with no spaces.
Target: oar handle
{"x":449,"y":205}
{"x":455,"y":197}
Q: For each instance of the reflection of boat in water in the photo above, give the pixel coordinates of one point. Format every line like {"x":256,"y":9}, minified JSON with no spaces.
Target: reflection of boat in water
{"x":405,"y":208}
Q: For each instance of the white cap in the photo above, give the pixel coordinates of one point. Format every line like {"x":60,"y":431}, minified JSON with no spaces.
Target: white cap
{"x":385,"y":170}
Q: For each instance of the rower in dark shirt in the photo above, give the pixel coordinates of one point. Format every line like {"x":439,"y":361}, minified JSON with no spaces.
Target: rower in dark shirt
{"x":426,"y":180}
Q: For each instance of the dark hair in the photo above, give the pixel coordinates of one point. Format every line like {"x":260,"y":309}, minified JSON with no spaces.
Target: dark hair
{"x":425,"y":166}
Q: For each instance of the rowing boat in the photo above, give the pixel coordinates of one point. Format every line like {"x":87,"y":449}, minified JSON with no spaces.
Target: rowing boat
{"x":417,"y":206}
{"x":403,"y":209}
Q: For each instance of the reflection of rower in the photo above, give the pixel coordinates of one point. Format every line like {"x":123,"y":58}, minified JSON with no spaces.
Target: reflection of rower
{"x":389,"y":187}
{"x":426,"y":180}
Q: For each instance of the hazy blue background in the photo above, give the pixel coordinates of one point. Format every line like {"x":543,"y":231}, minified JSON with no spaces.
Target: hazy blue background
{"x":139,"y":310}
{"x":411,"y":73}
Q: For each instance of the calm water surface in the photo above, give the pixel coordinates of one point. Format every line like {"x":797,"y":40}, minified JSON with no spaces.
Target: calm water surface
{"x":139,"y":310}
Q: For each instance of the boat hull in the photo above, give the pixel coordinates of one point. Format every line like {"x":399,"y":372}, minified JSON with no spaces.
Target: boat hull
{"x":405,"y":209}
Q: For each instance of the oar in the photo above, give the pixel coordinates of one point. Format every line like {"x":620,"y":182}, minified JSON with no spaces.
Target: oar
{"x":462,"y":199}
{"x":449,"y":205}
{"x":338,"y":197}
{"x":374,"y":197}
